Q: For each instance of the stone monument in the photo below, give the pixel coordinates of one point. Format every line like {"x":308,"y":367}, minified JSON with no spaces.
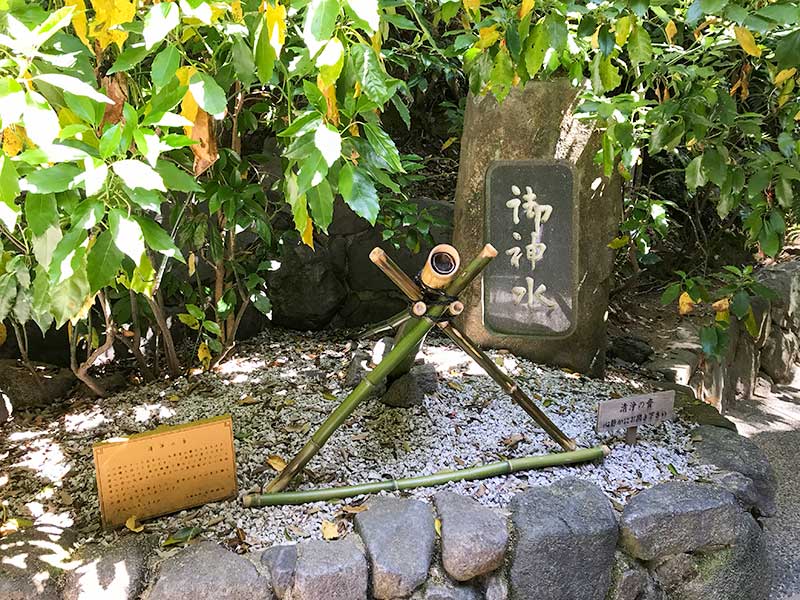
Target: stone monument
{"x":528,"y":185}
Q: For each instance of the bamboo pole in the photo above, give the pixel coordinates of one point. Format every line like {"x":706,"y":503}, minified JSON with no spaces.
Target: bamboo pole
{"x":508,"y":385}
{"x":417,"y":330}
{"x":494,"y":469}
{"x":390,"y":324}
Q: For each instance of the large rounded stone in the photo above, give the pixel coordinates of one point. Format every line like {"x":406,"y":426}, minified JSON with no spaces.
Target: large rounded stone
{"x":399,"y":535}
{"x":33,"y":561}
{"x":281,"y":562}
{"x":330,"y":571}
{"x":474,"y":537}
{"x":566,"y":536}
{"x":729,"y":451}
{"x":678,"y":516}
{"x":24,"y":390}
{"x":207,"y":571}
{"x":113,"y":572}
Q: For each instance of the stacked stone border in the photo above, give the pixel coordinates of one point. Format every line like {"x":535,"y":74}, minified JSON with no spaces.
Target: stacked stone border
{"x":750,"y":364}
{"x":676,"y":540}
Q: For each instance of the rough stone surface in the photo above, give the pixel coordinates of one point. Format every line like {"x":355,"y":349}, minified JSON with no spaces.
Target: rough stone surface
{"x":399,"y":535}
{"x":784,"y":280}
{"x":537,"y":122}
{"x":763,"y":386}
{"x":26,"y":391}
{"x":207,"y":571}
{"x":630,"y":579}
{"x":779,"y":354}
{"x":330,"y":571}
{"x":117,"y":572}
{"x":446,"y":591}
{"x":677,"y":365}
{"x":740,"y":571}
{"x":743,"y":488}
{"x":566,"y":537}
{"x":496,"y":587}
{"x":677,"y":516}
{"x":692,"y":409}
{"x":731,"y":452}
{"x":281,"y":562}
{"x":630,"y":348}
{"x":31,"y":561}
{"x":410,"y":389}
{"x":474,"y":537}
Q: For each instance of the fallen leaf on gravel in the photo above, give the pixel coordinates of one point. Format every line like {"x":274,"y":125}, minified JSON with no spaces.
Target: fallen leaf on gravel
{"x":183,"y":535}
{"x":330,"y":531}
{"x":276,"y":462}
{"x":65,"y":498}
{"x":296,"y":427}
{"x":248,"y":400}
{"x":329,"y":396}
{"x":438,"y":526}
{"x":513,"y":440}
{"x":215,"y":521}
{"x":352,"y":509}
{"x":14,"y":525}
{"x":453,"y":385}
{"x":174,"y":398}
{"x":134,"y":525}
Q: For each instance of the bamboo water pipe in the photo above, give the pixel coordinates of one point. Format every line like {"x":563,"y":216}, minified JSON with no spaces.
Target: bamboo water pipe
{"x":417,"y":330}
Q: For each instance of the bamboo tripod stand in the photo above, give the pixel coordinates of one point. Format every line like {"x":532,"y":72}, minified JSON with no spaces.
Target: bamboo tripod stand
{"x":434,"y":301}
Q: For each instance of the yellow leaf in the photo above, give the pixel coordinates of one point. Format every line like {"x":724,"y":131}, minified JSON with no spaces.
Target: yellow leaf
{"x":308,"y":234}
{"x":376,"y":42}
{"x":723,"y":316}
{"x":3,"y":334}
{"x":329,"y":92}
{"x":12,"y":141}
{"x":671,"y":30}
{"x":204,"y":355}
{"x":786,"y":92}
{"x":797,"y":116}
{"x":784,"y":75}
{"x":247,"y":401}
{"x":747,"y":41}
{"x":525,"y":8}
{"x":173,"y":398}
{"x":721,"y":305}
{"x":205,"y":150}
{"x":622,"y":29}
{"x":450,"y":141}
{"x":685,"y":304}
{"x":236,"y":11}
{"x":276,"y":462}
{"x":133,"y":524}
{"x":596,"y":39}
{"x":79,"y":23}
{"x":487,"y":36}
{"x":275,"y":17}
{"x":192,"y":263}
{"x":330,"y":531}
{"x":109,"y":15}
{"x":352,"y":509}
{"x":437,"y":524}
{"x":472,"y":6}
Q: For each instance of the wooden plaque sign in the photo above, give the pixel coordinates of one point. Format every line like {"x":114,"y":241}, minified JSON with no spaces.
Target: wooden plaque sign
{"x":531,"y":288}
{"x":165,"y":470}
{"x":634,"y":411}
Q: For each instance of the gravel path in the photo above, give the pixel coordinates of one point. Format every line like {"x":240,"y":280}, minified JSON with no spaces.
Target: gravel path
{"x":774,"y":424}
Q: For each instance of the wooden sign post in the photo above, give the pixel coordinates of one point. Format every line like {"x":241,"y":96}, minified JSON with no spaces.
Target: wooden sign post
{"x":632,"y":411}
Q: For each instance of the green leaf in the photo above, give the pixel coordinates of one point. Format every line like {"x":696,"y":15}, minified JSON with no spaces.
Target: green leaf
{"x":128,"y":58}
{"x":709,"y":340}
{"x":264,"y":54}
{"x":69,"y":297}
{"x":502,"y":75}
{"x":359,"y":192}
{"x":176,"y":179}
{"x":671,"y":293}
{"x":365,"y":14}
{"x":606,"y":40}
{"x":329,"y":143}
{"x":189,"y":320}
{"x":640,"y":48}
{"x":9,"y":190}
{"x":73,"y":86}
{"x":136,"y":174}
{"x":103,"y":262}
{"x":195,"y":311}
{"x":159,"y":22}
{"x":243,"y":62}
{"x":8,"y":292}
{"x":110,"y":141}
{"x":714,"y":166}
{"x":695,"y":177}
{"x":320,"y":199}
{"x":212,"y":327}
{"x":769,"y":240}
{"x":784,"y":193}
{"x":127,"y":234}
{"x":534,"y":55}
{"x":58,"y":178}
{"x":158,"y":239}
{"x":384,"y":147}
{"x":319,"y":22}
{"x":787,"y":51}
{"x":712,"y":7}
{"x":740,"y":305}
{"x":605,"y":74}
{"x":208,"y":94}
{"x":312,"y":171}
{"x":330,"y":62}
{"x":370,"y":74}
{"x":41,"y":212}
{"x":165,"y":63}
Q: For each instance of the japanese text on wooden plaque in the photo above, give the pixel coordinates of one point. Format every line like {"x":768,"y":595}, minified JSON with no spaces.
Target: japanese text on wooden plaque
{"x":635,"y":411}
{"x":531,"y":287}
{"x":165,"y":470}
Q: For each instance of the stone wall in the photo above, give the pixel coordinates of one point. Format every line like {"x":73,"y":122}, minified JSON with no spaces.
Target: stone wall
{"x":336,"y":284}
{"x":678,"y":540}
{"x":751,"y":365}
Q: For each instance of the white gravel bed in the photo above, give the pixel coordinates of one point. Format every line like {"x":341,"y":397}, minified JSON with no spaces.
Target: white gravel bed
{"x":289,"y":383}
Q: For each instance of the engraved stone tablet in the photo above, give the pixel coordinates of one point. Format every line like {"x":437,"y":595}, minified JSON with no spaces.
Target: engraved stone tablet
{"x":531,"y":287}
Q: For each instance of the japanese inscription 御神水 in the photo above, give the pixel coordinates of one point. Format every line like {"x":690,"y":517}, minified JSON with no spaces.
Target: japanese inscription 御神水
{"x":530,"y":288}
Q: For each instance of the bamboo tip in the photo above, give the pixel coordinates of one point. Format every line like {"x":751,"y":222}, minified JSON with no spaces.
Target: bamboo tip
{"x":489,"y":251}
{"x":419,"y":308}
{"x":456,"y":307}
{"x":606,"y":450}
{"x":377,"y":255}
{"x":571,"y":445}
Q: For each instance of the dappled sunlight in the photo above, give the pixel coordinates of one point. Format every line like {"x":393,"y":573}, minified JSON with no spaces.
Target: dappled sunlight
{"x":106,"y":584}
{"x":46,"y":459}
{"x":240,"y":365}
{"x":145,"y":412}
{"x":449,"y":359}
{"x":81,"y":422}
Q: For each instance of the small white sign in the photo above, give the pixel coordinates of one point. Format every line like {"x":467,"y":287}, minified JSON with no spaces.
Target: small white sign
{"x":634,"y":411}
